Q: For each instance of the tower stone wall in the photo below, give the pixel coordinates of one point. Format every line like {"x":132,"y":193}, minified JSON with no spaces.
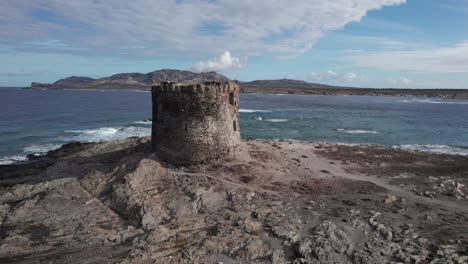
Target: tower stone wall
{"x":195,"y":123}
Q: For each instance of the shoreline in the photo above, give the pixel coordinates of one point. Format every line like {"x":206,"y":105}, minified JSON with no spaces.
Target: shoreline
{"x":411,"y":148}
{"x":277,"y":202}
{"x":461,"y":94}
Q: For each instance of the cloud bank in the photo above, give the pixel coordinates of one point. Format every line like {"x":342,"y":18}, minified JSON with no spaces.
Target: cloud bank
{"x":443,"y":60}
{"x":326,"y":77}
{"x":165,"y":27}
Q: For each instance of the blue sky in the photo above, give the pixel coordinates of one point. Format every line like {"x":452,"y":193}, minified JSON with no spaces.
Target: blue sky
{"x":364,"y":43}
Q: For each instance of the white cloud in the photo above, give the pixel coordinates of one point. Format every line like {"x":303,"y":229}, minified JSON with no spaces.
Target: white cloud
{"x":223,"y":63}
{"x":163,"y":27}
{"x":414,"y":83}
{"x":383,"y":42}
{"x":386,"y":25}
{"x":327,"y":77}
{"x":352,"y":51}
{"x":443,"y":60}
{"x":20,"y":74}
{"x":398,"y":82}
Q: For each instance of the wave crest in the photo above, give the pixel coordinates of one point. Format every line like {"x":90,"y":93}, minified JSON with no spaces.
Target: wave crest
{"x":356,"y":131}
{"x":442,"y":149}
{"x":108,"y":133}
{"x":271,"y":119}
{"x":40,"y":149}
{"x":431,"y":101}
{"x":253,"y":111}
{"x":12,"y":159}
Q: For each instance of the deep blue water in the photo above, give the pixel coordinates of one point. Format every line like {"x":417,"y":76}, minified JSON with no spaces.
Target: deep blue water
{"x":35,"y":121}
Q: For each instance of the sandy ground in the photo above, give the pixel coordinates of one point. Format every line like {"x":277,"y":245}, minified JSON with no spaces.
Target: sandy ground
{"x":279,"y":202}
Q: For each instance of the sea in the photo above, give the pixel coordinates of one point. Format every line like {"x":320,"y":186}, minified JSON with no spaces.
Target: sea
{"x":37,"y":121}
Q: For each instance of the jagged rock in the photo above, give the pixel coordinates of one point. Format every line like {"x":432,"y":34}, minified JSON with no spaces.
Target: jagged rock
{"x":390,"y":199}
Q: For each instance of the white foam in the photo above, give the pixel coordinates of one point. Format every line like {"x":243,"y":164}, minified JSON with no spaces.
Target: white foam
{"x":443,"y":149}
{"x":108,"y":133}
{"x":141,"y":91}
{"x":349,"y":144}
{"x":270,"y":119}
{"x":253,"y":111}
{"x":102,"y":130}
{"x":12,"y":159}
{"x":40,"y":149}
{"x":143,"y":122}
{"x":431,"y":101}
{"x":356,"y":131}
{"x":276,"y":120}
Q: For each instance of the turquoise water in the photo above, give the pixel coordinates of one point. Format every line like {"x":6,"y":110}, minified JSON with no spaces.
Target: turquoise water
{"x":35,"y":121}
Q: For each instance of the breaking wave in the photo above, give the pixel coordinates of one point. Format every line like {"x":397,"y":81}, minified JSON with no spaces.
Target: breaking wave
{"x":432,"y":101}
{"x":271,"y":119}
{"x":443,"y":149}
{"x":108,"y":133}
{"x":253,"y":111}
{"x":40,"y":149}
{"x":12,"y":159}
{"x":143,"y":122}
{"x":276,"y":120}
{"x":85,"y":135}
{"x":356,"y":131}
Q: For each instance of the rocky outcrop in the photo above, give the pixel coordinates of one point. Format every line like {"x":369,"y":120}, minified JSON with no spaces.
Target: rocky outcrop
{"x":116,"y":202}
{"x":41,"y":85}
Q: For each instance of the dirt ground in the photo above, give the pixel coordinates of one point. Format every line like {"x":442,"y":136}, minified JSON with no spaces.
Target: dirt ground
{"x":278,"y":202}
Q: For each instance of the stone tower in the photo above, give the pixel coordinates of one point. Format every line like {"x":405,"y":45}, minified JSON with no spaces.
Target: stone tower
{"x":195,"y":123}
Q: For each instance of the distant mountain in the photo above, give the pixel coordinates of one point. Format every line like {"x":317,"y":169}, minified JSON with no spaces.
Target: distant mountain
{"x":74,"y":80}
{"x":280,"y":86}
{"x":285,"y":83}
{"x":132,"y":80}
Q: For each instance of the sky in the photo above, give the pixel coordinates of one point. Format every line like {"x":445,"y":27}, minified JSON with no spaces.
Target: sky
{"x":361,"y":43}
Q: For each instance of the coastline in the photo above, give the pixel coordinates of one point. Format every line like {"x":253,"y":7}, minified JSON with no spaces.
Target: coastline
{"x":461,"y":94}
{"x":19,"y":159}
{"x":279,"y":201}
{"x":431,"y":93}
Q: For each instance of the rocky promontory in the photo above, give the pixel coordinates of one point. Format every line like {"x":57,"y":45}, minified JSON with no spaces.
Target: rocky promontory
{"x":132,"y":80}
{"x":278,"y":202}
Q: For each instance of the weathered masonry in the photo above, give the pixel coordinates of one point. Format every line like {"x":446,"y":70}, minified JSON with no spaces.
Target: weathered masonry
{"x":195,"y":123}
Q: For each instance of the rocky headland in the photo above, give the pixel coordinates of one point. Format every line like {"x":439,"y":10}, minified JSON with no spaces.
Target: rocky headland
{"x":280,"y":86}
{"x":278,"y":202}
{"x":132,"y":80}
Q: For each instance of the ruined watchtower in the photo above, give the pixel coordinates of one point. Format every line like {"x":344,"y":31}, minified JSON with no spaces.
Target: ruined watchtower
{"x":195,"y":123}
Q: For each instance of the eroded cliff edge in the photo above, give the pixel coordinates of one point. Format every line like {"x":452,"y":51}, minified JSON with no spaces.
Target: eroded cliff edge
{"x":279,"y":202}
